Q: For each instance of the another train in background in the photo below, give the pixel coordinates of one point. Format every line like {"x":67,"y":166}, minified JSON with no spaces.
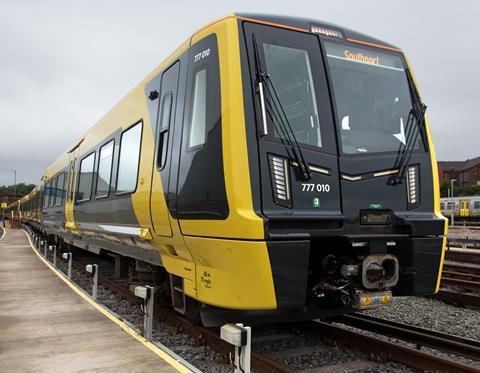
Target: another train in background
{"x":467,"y":207}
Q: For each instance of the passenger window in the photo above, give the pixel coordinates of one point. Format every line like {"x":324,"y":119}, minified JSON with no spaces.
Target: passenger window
{"x":165,"y":125}
{"x":129,"y":157}
{"x":199,"y":109}
{"x":476,"y":205}
{"x":85,"y":178}
{"x":104,"y":170}
{"x":60,"y":189}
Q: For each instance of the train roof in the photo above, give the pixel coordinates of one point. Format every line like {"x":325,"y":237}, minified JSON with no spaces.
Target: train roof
{"x":296,"y":23}
{"x":305,"y":24}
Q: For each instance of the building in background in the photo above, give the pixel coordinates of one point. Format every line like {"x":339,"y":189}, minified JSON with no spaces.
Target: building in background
{"x":466,"y":173}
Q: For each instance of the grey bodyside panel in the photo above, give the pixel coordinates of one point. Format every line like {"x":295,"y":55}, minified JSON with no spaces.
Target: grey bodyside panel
{"x":120,"y":244}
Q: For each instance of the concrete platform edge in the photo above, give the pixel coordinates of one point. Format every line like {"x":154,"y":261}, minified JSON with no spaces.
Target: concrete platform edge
{"x":159,"y":349}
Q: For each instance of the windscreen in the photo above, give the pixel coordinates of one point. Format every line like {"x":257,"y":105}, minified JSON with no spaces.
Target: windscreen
{"x":290,"y":72}
{"x":372,"y":97}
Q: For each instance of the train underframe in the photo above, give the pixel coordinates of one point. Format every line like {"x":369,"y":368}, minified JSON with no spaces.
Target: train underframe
{"x":324,"y":277}
{"x":314,"y":278}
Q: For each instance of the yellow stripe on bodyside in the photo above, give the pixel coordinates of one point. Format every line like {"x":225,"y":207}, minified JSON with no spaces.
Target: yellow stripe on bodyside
{"x":159,"y":352}
{"x":436,"y":186}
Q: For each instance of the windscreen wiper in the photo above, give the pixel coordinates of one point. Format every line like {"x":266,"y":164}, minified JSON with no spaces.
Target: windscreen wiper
{"x":414,"y":125}
{"x":270,"y":103}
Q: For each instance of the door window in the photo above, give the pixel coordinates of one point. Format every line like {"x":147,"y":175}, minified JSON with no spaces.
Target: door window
{"x":166,"y":112}
{"x":86,"y":178}
{"x":60,"y":189}
{"x":104,"y":169}
{"x":294,"y":91}
{"x":291,"y":76}
{"x":129,"y":159}
{"x":53,"y":186}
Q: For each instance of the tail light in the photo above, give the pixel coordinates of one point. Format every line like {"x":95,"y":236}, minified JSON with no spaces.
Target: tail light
{"x":413,"y":187}
{"x":280,"y":174}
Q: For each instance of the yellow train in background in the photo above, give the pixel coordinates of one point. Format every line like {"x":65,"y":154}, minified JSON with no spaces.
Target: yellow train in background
{"x":467,"y":207}
{"x":272,"y":168}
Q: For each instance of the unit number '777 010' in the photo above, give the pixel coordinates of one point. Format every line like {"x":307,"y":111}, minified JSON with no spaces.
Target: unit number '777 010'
{"x":307,"y":187}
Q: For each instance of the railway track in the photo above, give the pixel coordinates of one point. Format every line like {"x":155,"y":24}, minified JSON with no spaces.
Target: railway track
{"x":383,"y":349}
{"x":420,"y":337}
{"x":461,"y":275}
{"x":466,"y":223}
{"x":458,"y":298}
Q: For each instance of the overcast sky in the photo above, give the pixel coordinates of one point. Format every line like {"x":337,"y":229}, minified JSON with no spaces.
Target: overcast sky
{"x":63,"y":64}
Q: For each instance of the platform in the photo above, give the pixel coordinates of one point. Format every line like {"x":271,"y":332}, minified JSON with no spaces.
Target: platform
{"x":46,"y":327}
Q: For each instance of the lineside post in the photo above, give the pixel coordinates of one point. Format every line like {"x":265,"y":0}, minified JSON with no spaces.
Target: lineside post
{"x":241,"y":337}
{"x":50,"y":248}
{"x":53,"y":249}
{"x":68,"y":256}
{"x":93,"y":269}
{"x":147,"y":293}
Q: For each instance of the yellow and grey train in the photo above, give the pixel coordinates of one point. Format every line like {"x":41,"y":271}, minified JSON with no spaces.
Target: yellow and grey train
{"x":272,"y":167}
{"x":466,"y":207}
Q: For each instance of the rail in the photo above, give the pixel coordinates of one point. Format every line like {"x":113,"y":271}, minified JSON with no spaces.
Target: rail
{"x":419,"y":336}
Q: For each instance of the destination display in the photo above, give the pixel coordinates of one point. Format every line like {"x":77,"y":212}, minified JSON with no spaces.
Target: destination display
{"x":363,"y":56}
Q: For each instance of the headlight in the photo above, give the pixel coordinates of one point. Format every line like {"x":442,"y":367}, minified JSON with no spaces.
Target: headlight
{"x":279,"y":171}
{"x":413,"y":187}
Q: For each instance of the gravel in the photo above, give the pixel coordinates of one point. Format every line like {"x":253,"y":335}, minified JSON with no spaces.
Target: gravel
{"x":389,"y":367}
{"x":432,"y":314}
{"x":320,"y":359}
{"x":302,"y":349}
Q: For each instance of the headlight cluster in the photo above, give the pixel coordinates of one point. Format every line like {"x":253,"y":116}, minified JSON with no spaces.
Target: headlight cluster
{"x":279,"y":170}
{"x":413,"y":187}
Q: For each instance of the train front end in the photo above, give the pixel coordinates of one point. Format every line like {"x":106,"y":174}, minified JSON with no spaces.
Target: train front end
{"x":342,"y":166}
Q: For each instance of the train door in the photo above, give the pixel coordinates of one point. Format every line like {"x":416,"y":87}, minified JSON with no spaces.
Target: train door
{"x":164,"y":139}
{"x":296,"y":89}
{"x":71,"y":186}
{"x":464,"y":208}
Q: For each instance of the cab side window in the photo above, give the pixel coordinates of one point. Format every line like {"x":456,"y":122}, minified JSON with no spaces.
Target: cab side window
{"x":199,"y":109}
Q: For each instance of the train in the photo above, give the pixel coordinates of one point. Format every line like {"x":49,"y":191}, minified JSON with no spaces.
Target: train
{"x":271,"y":168}
{"x":466,"y":207}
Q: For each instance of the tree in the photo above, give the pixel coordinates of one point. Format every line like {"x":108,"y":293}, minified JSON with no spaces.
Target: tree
{"x":22,"y":189}
{"x":444,"y":189}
